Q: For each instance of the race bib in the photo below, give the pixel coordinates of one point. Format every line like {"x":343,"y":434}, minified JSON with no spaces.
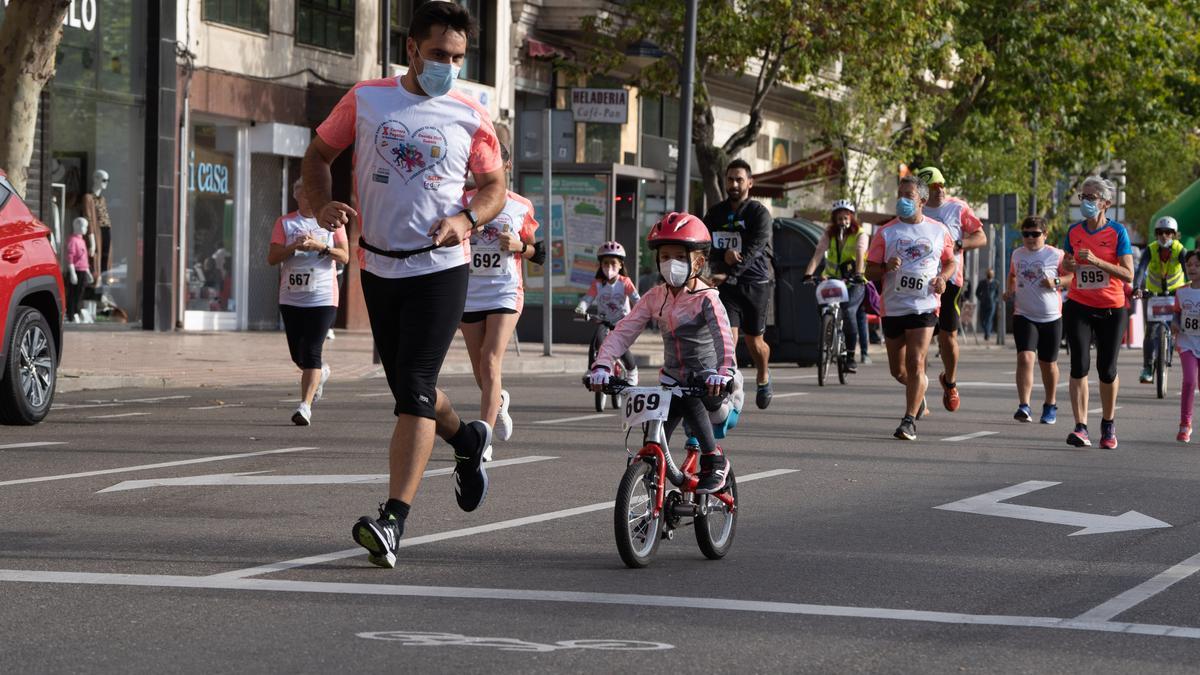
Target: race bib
{"x":300,"y":280}
{"x":644,"y":404}
{"x":488,"y":261}
{"x":912,"y":283}
{"x":728,"y":240}
{"x":1090,"y":277}
{"x":1160,"y":309}
{"x":1190,"y":323}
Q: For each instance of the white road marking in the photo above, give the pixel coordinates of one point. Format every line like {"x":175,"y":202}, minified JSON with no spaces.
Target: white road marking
{"x":289,"y":400}
{"x":792,"y":393}
{"x":989,"y":504}
{"x":1143,"y":591}
{"x":967,"y":437}
{"x":214,"y":407}
{"x":995,"y":385}
{"x":374,"y":394}
{"x":793,"y":377}
{"x":144,"y":467}
{"x":33,"y":444}
{"x":155,"y":399}
{"x":454,"y":534}
{"x":116,"y":415}
{"x":77,"y":406}
{"x":574,"y":419}
{"x":217,"y":582}
{"x":1097,"y":411}
{"x":257,"y":478}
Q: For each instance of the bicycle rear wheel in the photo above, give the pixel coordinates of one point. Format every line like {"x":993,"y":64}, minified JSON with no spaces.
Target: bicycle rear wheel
{"x":1160,"y":363}
{"x":826,"y":348}
{"x":714,"y":531}
{"x":635,"y":526}
{"x":839,"y":352}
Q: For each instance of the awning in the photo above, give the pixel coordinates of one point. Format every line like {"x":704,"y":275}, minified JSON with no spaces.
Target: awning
{"x":537,"y":49}
{"x":815,"y":168}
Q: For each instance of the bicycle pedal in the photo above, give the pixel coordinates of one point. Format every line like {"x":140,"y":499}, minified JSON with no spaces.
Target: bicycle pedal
{"x":668,"y":534}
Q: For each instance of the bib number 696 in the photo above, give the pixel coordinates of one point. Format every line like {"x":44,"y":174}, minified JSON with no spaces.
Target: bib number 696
{"x":912,"y":283}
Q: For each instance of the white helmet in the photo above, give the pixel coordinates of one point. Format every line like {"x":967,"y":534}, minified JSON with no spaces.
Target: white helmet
{"x":843,"y":204}
{"x":612,"y":248}
{"x":1166,"y":223}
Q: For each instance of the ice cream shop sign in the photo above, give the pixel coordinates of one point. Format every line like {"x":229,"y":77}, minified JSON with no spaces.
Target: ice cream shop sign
{"x":607,"y":106}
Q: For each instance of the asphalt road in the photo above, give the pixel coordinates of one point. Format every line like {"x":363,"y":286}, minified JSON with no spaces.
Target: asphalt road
{"x":186,"y":530}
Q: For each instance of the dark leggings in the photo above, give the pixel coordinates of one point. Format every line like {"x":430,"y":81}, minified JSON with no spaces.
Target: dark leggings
{"x":691,"y":411}
{"x":1107,"y":324}
{"x":307,"y":328}
{"x":602,"y":332}
{"x":850,"y":315}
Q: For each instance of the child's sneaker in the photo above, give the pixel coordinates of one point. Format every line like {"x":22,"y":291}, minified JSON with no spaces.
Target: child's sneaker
{"x":1023,"y":414}
{"x":713,"y":470}
{"x":1079,"y":437}
{"x":1185,"y":433}
{"x":1049,"y":413}
{"x":1108,"y":435}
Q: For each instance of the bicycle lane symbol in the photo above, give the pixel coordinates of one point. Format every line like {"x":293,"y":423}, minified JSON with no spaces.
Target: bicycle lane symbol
{"x":427,"y":639}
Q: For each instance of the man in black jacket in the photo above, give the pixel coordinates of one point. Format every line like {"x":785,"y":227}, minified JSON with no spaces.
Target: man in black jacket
{"x":742,"y":265}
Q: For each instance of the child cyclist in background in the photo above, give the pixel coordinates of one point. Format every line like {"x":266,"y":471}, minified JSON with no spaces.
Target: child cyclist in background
{"x":614,"y":295}
{"x":697,"y":340}
{"x":1186,"y":329}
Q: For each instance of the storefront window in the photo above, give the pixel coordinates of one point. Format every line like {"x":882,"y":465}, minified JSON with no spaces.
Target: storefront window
{"x":211,"y":222}
{"x":473,"y":66}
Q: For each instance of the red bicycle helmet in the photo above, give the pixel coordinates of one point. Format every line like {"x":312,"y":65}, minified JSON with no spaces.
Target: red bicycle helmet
{"x":612,"y":248}
{"x":680,"y":228}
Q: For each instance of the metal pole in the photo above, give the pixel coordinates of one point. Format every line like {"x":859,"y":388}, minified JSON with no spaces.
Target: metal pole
{"x":687,"y":73}
{"x":1001,"y":314}
{"x":387,"y":38}
{"x":547,"y":283}
{"x":1033,"y":190}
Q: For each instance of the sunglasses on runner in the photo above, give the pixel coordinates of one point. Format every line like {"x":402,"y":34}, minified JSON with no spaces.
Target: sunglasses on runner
{"x":1030,"y":234}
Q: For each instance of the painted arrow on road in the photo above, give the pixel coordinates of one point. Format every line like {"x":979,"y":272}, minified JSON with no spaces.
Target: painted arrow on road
{"x":265,"y":478}
{"x":989,"y":504}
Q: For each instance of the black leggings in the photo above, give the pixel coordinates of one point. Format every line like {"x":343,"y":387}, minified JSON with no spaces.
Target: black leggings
{"x":1107,"y":324}
{"x":694,"y":415}
{"x":306,"y":329}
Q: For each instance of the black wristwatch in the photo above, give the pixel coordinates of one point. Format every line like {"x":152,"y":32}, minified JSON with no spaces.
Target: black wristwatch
{"x":471,"y":217}
{"x":524,"y":247}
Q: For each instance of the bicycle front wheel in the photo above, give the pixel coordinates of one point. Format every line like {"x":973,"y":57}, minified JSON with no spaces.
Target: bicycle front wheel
{"x":714,"y":531}
{"x":839,"y":350}
{"x":636,"y":527}
{"x":826,"y":349}
{"x":1160,"y":362}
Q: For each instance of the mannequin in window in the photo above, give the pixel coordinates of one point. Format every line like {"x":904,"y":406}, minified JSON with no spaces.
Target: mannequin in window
{"x":95,"y":209}
{"x":79,"y":272}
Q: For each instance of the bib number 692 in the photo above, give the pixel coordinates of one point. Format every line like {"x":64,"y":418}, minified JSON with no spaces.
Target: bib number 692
{"x":485,"y":260}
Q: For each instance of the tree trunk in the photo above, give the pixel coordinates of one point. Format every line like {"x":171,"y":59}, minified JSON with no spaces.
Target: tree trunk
{"x":29,"y":39}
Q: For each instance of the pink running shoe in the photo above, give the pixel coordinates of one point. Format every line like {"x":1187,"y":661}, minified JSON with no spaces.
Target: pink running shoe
{"x":1185,"y":433}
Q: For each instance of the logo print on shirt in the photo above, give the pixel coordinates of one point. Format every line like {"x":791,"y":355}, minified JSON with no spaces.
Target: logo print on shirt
{"x":912,"y":251}
{"x":410,"y":153}
{"x":1031,"y":272}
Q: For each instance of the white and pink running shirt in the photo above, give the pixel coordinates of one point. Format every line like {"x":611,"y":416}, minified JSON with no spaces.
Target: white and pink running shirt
{"x":497,"y":280}
{"x":307,"y":278}
{"x":960,"y":220}
{"x":411,"y":157}
{"x":612,"y":299}
{"x":1033,"y":300}
{"x":1187,"y":309}
{"x":923,"y":248}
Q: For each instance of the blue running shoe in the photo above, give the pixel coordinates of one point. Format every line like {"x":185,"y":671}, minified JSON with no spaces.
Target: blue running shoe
{"x":1049,"y":413}
{"x":1023,"y":414}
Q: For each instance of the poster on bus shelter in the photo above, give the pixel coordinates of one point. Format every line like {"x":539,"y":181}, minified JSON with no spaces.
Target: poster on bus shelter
{"x":580,"y":224}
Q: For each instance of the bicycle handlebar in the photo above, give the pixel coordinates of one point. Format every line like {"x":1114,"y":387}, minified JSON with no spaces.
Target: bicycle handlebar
{"x":696,"y":388}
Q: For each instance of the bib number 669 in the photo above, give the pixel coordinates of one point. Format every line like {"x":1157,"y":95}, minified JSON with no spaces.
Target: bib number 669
{"x":643,"y":404}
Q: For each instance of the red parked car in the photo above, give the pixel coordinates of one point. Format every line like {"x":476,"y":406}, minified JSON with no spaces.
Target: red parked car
{"x":31,"y":312}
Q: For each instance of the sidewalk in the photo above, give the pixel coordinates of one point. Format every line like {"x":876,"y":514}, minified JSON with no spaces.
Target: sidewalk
{"x":107,"y":359}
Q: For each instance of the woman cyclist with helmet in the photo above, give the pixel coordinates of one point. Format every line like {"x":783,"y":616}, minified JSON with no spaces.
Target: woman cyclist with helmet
{"x":844,"y":248}
{"x":495,"y":298}
{"x":614,"y":295}
{"x":697,"y":339}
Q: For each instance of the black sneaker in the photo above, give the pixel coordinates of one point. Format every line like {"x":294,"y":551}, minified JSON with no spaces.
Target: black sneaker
{"x":763,"y":398}
{"x":713,"y":470}
{"x":907,"y":431}
{"x":470,"y":478}
{"x":851,"y":366}
{"x":380,"y":536}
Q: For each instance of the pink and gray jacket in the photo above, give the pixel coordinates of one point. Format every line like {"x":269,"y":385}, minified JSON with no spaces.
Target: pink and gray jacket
{"x":697,"y":340}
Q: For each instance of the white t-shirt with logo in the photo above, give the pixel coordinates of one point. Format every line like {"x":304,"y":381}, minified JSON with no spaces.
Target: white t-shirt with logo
{"x":411,"y":157}
{"x":307,"y":278}
{"x":1187,"y":305}
{"x":496,"y":276}
{"x":958,"y":217}
{"x":1033,"y":300}
{"x":922,"y":248}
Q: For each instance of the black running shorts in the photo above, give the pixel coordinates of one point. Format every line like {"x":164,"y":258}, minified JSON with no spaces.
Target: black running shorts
{"x":949,"y":314}
{"x":746,"y":304}
{"x":1043,"y":337}
{"x":894,"y":326}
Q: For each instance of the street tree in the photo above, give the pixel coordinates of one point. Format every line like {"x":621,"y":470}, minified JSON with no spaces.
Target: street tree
{"x":29,"y":37}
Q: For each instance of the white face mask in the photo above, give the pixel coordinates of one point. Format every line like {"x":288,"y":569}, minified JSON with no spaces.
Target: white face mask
{"x":1164,"y":240}
{"x":610,"y":273}
{"x":676,"y":272}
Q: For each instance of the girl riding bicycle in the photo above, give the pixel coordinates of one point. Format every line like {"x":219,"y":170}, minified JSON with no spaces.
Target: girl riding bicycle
{"x":697,"y":340}
{"x":614,"y":295}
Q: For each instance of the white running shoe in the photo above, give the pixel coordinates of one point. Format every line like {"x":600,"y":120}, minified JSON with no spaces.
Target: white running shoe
{"x":303,"y":415}
{"x":321,"y":386}
{"x":504,"y":423}
{"x":487,"y":454}
{"x":633,"y":377}
{"x":330,"y":335}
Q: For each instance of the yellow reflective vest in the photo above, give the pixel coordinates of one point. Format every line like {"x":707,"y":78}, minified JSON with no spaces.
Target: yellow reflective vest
{"x":1169,"y":273}
{"x":836,"y":257}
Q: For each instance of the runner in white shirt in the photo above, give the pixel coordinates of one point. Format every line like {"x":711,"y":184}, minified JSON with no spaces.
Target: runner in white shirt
{"x":308,"y":293}
{"x":1035,"y":280}
{"x":1186,"y":329}
{"x":495,"y":298}
{"x":415,"y":140}
{"x":913,"y":255}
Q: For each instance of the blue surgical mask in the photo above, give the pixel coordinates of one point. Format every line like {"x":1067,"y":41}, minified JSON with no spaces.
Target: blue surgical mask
{"x":1090,"y":209}
{"x":437,"y":78}
{"x":906,"y":208}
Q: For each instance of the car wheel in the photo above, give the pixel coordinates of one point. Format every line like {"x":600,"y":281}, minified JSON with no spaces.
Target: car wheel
{"x":30,"y":370}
